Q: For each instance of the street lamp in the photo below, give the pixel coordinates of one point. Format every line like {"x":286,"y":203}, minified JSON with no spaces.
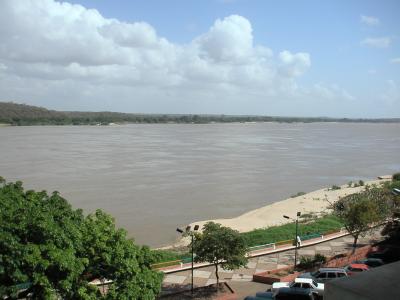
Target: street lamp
{"x":295,"y":238}
{"x":191,"y":233}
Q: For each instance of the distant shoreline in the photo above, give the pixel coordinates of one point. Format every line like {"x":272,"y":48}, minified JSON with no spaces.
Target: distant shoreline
{"x":315,"y":202}
{"x":27,"y":115}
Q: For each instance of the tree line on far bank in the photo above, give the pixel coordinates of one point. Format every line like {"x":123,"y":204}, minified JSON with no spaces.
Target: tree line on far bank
{"x":21,"y":114}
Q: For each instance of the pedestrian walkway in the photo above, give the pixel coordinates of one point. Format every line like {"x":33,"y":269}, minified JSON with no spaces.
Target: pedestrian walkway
{"x":206,"y":275}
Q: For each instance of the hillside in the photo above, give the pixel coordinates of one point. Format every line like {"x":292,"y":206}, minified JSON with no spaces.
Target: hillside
{"x":22,"y":114}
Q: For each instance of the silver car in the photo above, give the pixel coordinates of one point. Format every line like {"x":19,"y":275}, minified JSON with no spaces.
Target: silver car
{"x":325,"y":274}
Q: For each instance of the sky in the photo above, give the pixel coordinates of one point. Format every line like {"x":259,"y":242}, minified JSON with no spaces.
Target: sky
{"x":244,"y":57}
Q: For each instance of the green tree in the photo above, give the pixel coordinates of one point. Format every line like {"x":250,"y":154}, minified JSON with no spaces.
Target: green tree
{"x":392,"y":227}
{"x":361,"y":210}
{"x":220,"y":245}
{"x":56,"y":251}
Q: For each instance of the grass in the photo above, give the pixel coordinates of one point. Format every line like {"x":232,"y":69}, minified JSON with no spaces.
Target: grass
{"x":267,"y":235}
{"x":169,"y":255}
{"x":286,"y":232}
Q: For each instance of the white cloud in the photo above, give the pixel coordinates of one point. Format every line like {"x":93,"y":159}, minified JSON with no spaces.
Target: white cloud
{"x":75,"y":58}
{"x":369,"y":20}
{"x":382,"y":42}
{"x":294,"y":64}
{"x":395,"y":60}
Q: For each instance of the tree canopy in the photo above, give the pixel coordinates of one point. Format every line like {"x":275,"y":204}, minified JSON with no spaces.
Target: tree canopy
{"x":392,"y":227}
{"x":361,"y":210}
{"x":220,"y":245}
{"x":55,"y":251}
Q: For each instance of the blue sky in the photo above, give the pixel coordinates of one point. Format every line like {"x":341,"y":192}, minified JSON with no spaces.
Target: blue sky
{"x":305,"y":58}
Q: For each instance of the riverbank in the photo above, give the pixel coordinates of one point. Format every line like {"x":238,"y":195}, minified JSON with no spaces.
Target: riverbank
{"x":313,"y":203}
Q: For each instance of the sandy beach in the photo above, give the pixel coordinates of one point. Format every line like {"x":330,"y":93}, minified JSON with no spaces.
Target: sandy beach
{"x":315,"y":202}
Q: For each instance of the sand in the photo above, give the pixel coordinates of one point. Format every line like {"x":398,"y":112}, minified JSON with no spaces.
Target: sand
{"x":315,"y":202}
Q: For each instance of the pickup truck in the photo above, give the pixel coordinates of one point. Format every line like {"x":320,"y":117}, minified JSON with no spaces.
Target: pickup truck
{"x":300,"y":283}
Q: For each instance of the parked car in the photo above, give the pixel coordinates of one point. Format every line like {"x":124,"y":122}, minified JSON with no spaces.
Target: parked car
{"x":388,"y":255}
{"x":353,"y":269}
{"x":296,"y":294}
{"x":257,"y":298}
{"x":265,"y":295}
{"x":325,"y":274}
{"x":370,"y":262}
{"x":378,"y":254}
{"x":300,"y":283}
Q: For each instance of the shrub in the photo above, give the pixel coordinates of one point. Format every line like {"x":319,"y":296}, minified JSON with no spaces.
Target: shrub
{"x":335,"y":187}
{"x":319,"y":258}
{"x":306,"y":262}
{"x":349,"y":184}
{"x":396,"y":177}
{"x":297,"y":195}
{"x":307,"y":216}
{"x":361,"y":183}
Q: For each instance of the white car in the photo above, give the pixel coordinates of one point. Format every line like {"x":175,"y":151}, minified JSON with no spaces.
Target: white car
{"x":301,"y":283}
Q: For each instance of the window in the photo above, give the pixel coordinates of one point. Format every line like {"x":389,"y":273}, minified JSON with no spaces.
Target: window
{"x":321,"y":275}
{"x":331,"y":275}
{"x":341,"y":275}
{"x":296,"y":285}
{"x":306,"y":286}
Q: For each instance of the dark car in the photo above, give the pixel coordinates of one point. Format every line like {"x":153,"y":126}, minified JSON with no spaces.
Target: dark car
{"x":388,"y":255}
{"x":261,"y":296}
{"x":295,"y":294}
{"x":370,"y":262}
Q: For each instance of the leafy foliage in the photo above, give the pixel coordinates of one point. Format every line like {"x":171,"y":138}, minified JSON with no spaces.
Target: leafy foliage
{"x":359,"y":211}
{"x":308,"y":262}
{"x":57,"y":251}
{"x":392,"y":227}
{"x":396,"y":177}
{"x":220,"y":245}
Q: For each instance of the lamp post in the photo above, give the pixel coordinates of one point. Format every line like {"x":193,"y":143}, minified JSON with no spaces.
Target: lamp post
{"x":295,"y":238}
{"x":191,"y":233}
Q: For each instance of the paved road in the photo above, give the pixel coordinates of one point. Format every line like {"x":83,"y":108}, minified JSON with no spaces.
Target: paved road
{"x":241,"y":279}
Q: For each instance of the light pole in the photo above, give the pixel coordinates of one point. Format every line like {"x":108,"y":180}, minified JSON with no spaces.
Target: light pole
{"x":295,"y":238}
{"x":191,"y":233}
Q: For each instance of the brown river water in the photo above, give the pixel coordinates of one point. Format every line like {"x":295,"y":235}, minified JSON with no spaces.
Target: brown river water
{"x":153,"y":178}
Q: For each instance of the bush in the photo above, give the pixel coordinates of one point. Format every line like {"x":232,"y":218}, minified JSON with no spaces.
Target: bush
{"x":306,"y":262}
{"x":396,"y":177}
{"x":319,"y":258}
{"x":349,"y":184}
{"x":297,"y":195}
{"x":335,"y":187}
{"x":361,"y":183}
